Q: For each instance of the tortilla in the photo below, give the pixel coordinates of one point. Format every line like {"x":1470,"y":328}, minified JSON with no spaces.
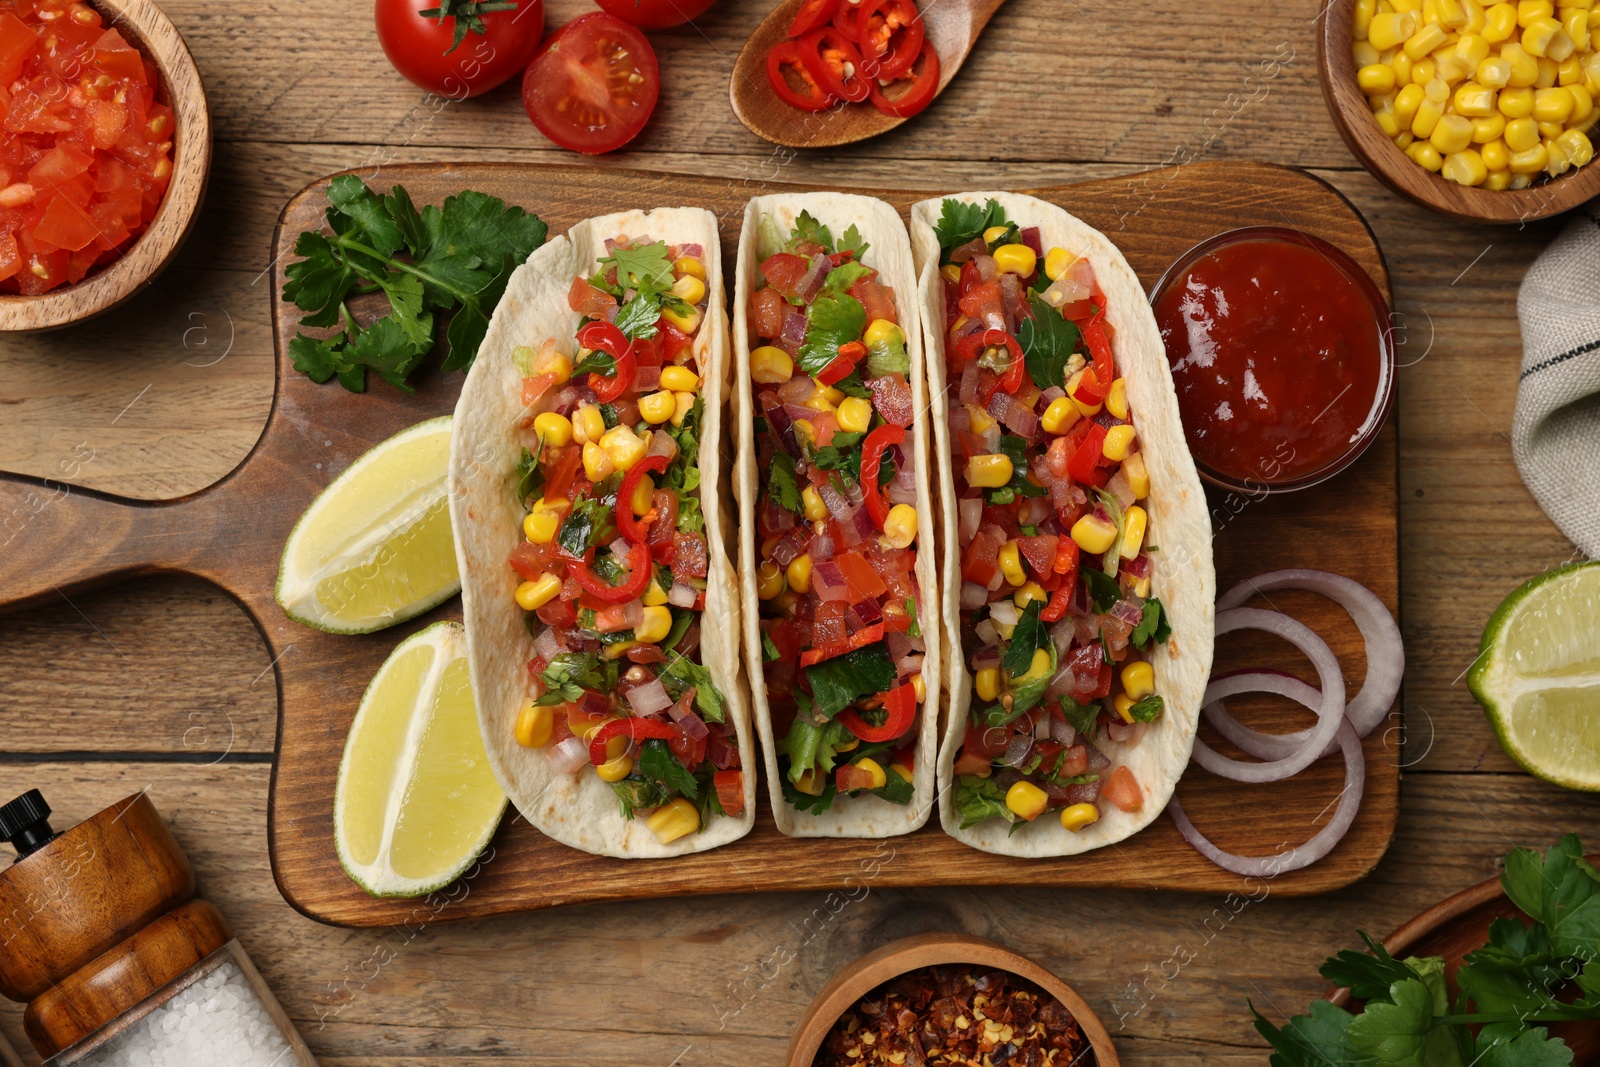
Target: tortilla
{"x":579,"y":809}
{"x":890,"y":255}
{"x":1179,"y":524}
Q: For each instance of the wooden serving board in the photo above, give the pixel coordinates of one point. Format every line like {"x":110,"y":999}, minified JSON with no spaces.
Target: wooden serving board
{"x":53,"y":537}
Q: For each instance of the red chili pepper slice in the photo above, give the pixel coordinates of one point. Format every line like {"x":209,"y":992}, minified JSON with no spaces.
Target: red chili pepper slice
{"x":918,"y":95}
{"x":627,"y":524}
{"x":1084,"y":461}
{"x":860,"y":639}
{"x":1066,"y":565}
{"x":634,"y":729}
{"x":605,"y":337}
{"x":813,"y":15}
{"x":826,"y":53}
{"x":871,"y":459}
{"x":847,"y":17}
{"x":839,"y":368}
{"x":639,"y":571}
{"x":900,"y":706}
{"x":891,"y":34}
{"x":784,"y":60}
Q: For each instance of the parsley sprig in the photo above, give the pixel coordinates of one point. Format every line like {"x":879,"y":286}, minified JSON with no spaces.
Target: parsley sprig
{"x":453,"y":258}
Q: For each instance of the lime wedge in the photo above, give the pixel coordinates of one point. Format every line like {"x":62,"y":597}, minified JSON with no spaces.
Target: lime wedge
{"x":375,"y":548}
{"x":1538,"y":675}
{"x":416,"y":801}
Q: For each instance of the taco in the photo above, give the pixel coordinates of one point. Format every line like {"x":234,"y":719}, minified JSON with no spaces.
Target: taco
{"x":835,"y":518}
{"x":1078,"y":581}
{"x":586,"y":493}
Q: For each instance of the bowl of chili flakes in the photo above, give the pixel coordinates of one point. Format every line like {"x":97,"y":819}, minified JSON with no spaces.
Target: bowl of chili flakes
{"x":943,"y":1000}
{"x":105,"y":149}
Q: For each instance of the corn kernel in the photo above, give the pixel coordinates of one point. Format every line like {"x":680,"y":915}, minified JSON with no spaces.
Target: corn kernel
{"x":1498,"y":180}
{"x":654,"y":595}
{"x":1493,"y":73}
{"x":657,"y":407}
{"x":1016,"y":259}
{"x":1472,"y":50}
{"x":1520,"y":181}
{"x":676,"y":819}
{"x":1386,"y":122}
{"x":1122,"y":704}
{"x":624,"y":446}
{"x":1427,"y":155}
{"x":1094,"y":535}
{"x":1138,"y":679}
{"x":1060,"y":416}
{"x":1087,"y":410}
{"x":1406,"y":102}
{"x":531,"y":596}
{"x":819,"y":401}
{"x":552,"y":361}
{"x":597,"y":465}
{"x":1011,"y":563}
{"x":1570,"y":71}
{"x":799,"y":573}
{"x":875,"y":769}
{"x":980,"y":419}
{"x":987,"y":683}
{"x":1134,"y":521}
{"x":812,"y":781}
{"x":951,"y":272}
{"x":1488,"y":130}
{"x":1425,"y":41}
{"x":615,"y":770}
{"x":689,"y":265}
{"x":689,"y":289}
{"x":1452,"y":134}
{"x":1429,"y":112}
{"x":1056,"y":262}
{"x":540,"y":525}
{"x":643,"y":495}
{"x":1531,"y":160}
{"x":1474,"y":101}
{"x":587,"y":424}
{"x":1401,"y":64}
{"x":1577,"y":146}
{"x":1026,"y":800}
{"x":654,"y":626}
{"x":535,"y":723}
{"x":554,"y":428}
{"x":1549,"y":131}
{"x":1076,"y":816}
{"x":1452,"y":13}
{"x":1524,"y":68}
{"x":769,"y":580}
{"x":1496,"y":156}
{"x":683,"y":404}
{"x":684,"y":321}
{"x":1362,"y":18}
{"x":1539,"y":35}
{"x":1390,"y":29}
{"x":682,"y":379}
{"x":1029,"y":592}
{"x":771,"y":365}
{"x":1552,"y":105}
{"x":1375,"y":78}
{"x":1582,"y":106}
{"x":1117,"y":398}
{"x":920,"y":689}
{"x":855,"y":414}
{"x":1118,"y":443}
{"x":813,"y":505}
{"x":1500,"y":22}
{"x":1556,"y":161}
{"x":989,"y":471}
{"x":1521,"y":134}
{"x":993,"y":234}
{"x":900,"y":526}
{"x":1138,"y":476}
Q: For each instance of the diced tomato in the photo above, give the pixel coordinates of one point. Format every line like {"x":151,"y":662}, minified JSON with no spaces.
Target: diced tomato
{"x":581,"y":722}
{"x":981,"y":561}
{"x":530,"y":560}
{"x":986,"y":741}
{"x":730,"y":790}
{"x":861,"y":579}
{"x":1040,"y":552}
{"x":969,"y":762}
{"x":560,"y":467}
{"x":17,"y":43}
{"x":768,"y":309}
{"x":688,"y":555}
{"x":784,"y":272}
{"x":877,"y":298}
{"x":1085,"y":663}
{"x":612,"y":618}
{"x":828,"y":628}
{"x":1122,"y":789}
{"x":689,"y":750}
{"x":891,"y":396}
{"x":10,"y":259}
{"x":850,"y":777}
{"x":984,"y":303}
{"x":1074,"y":762}
{"x":677,"y":347}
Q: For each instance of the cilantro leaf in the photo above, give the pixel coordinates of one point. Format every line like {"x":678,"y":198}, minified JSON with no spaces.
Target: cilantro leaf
{"x":842,"y":277}
{"x":568,"y":674}
{"x":682,"y":673}
{"x":781,"y":483}
{"x":1083,"y":718}
{"x":1147,"y":709}
{"x":530,"y":475}
{"x":832,"y":319}
{"x":895,"y":789}
{"x":1028,"y":636}
{"x":915,"y":629}
{"x":814,"y":805}
{"x":1396,"y":1031}
{"x":1368,"y":976}
{"x":637,"y":318}
{"x":852,"y":241}
{"x":1153,"y":626}
{"x":1530,"y":1048}
{"x":980,"y":799}
{"x":839,"y":682}
{"x":636,"y":792}
{"x":365,"y":216}
{"x":587,"y":524}
{"x":1103,"y":589}
{"x":1316,"y":1040}
{"x":1047,"y":341}
{"x":1016,"y":449}
{"x":657,"y":762}
{"x":810,"y":746}
{"x":810,"y":231}
{"x":960,"y":222}
{"x":769,"y":651}
{"x":645,"y":268}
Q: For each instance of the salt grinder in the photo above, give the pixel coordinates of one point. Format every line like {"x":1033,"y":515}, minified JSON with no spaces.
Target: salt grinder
{"x":117,"y":959}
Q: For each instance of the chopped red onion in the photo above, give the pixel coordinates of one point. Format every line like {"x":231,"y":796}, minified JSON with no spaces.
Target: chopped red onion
{"x":822,"y":547}
{"x":986,"y":633}
{"x":1128,"y":610}
{"x":1321,"y":843}
{"x":787,"y":550}
{"x":794,"y":331}
{"x":594,"y":704}
{"x":1138,"y":566}
{"x":960,"y":418}
{"x":663,"y":444}
{"x":797,"y":390}
{"x":1062,"y":731}
{"x":1119,"y":488}
{"x":1052,"y":394}
{"x":722,"y":754}
{"x":828,"y":581}
{"x":1018,"y":417}
{"x":973,"y":597}
{"x":971,"y":513}
{"x":969,"y":384}
{"x":1385,"y":650}
{"x":988,"y":269}
{"x":690,"y":249}
{"x":991,"y":438}
{"x":681,"y":595}
{"x":649,"y":698}
{"x":1119,"y":731}
{"x":907,"y":665}
{"x":810,"y":283}
{"x":1004,"y":613}
{"x":975,"y":247}
{"x":1084,"y":793}
{"x":1098,"y":761}
{"x":546,"y":645}
{"x":691,"y":724}
{"x":1041,"y":727}
{"x":1016,"y":753}
{"x":568,"y":755}
{"x":647,"y":379}
{"x":859,"y":527}
{"x":777,"y":519}
{"x":986,"y":657}
{"x":864,"y":613}
{"x":837,"y":505}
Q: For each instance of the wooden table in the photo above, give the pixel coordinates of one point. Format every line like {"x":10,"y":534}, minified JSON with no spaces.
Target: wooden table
{"x":164,"y":685}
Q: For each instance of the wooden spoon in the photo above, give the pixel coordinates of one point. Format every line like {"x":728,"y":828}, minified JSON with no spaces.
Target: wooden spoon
{"x":952,"y":25}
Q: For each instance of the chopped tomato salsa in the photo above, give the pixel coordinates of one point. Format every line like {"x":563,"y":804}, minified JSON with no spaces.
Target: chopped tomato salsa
{"x":85,"y":143}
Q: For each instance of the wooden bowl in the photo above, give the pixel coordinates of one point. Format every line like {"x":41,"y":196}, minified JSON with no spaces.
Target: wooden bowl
{"x":1394,"y":168}
{"x":1459,"y":925}
{"x":144,"y":26}
{"x":928,"y":950}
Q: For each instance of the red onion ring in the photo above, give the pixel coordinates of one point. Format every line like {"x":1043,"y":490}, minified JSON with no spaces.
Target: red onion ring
{"x":1386,"y":654}
{"x":1330,"y":714}
{"x":1320,"y":844}
{"x":1258,"y":742}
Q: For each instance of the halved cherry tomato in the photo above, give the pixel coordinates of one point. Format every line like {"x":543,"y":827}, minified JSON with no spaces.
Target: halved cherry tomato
{"x":813,"y":15}
{"x":900,"y":708}
{"x":593,"y":85}
{"x":656,"y":14}
{"x":835,"y":63}
{"x":605,"y":337}
{"x":890,"y":37}
{"x":871,"y":460}
{"x":786,"y":70}
{"x":639,"y":571}
{"x":924,"y":79}
{"x":627,"y":525}
{"x":729,"y":785}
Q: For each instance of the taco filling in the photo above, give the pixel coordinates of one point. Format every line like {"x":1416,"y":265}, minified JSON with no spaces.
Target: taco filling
{"x":1058,"y":615}
{"x":837,"y":519}
{"x":613,"y":560}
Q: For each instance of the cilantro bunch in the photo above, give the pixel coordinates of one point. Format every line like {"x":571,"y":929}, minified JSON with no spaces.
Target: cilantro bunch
{"x":455,"y":258}
{"x":1526,"y":975}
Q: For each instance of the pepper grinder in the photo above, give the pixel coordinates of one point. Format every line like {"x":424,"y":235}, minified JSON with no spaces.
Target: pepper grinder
{"x":117,"y":959}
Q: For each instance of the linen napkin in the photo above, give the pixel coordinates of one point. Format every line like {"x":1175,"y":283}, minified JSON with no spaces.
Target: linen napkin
{"x":1555,"y":434}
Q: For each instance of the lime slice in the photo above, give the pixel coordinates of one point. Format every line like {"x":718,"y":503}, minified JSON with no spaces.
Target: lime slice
{"x":375,"y":548}
{"x":1538,"y":675}
{"x":416,"y":800}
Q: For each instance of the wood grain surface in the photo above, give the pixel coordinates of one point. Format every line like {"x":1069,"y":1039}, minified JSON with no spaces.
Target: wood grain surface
{"x":163,"y":683}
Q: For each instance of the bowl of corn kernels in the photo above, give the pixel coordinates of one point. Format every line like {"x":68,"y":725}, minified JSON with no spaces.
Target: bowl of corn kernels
{"x":1483,"y":111}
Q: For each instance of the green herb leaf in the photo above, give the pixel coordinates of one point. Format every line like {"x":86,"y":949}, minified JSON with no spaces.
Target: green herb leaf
{"x":1103,"y":589}
{"x":915,"y":630}
{"x":852,"y":241}
{"x":587,"y":524}
{"x":895,"y":789}
{"x":839,"y":682}
{"x":832,"y":319}
{"x":769,"y":651}
{"x":810,"y":746}
{"x":980,"y":799}
{"x":636,"y":792}
{"x":809,"y":231}
{"x":781,"y":483}
{"x":1530,"y":1048}
{"x":1147,"y":709}
{"x":1048,"y":342}
{"x":1153,"y":626}
{"x":1368,"y":976}
{"x":646,"y":268}
{"x":682,"y":673}
{"x":530,"y":475}
{"x":814,"y":805}
{"x":637,"y":318}
{"x":1029,"y":635}
{"x":1396,"y":1031}
{"x":1083,"y":718}
{"x":657,"y":762}
{"x":960,"y":222}
{"x":1316,"y":1040}
{"x":602,"y":363}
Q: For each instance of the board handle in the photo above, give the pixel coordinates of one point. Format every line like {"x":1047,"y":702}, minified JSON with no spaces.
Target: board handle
{"x":56,"y":538}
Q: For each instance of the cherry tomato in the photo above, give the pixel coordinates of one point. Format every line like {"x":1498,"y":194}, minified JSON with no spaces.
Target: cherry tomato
{"x":594,"y":84}
{"x":496,"y":46}
{"x":910,"y":99}
{"x":655,"y":14}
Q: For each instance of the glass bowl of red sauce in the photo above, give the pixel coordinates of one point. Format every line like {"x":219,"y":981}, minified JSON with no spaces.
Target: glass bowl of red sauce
{"x":1282,"y":354}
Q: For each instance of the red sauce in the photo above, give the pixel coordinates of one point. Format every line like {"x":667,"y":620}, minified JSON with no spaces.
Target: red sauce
{"x":85,"y":144}
{"x":1279,"y":356}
